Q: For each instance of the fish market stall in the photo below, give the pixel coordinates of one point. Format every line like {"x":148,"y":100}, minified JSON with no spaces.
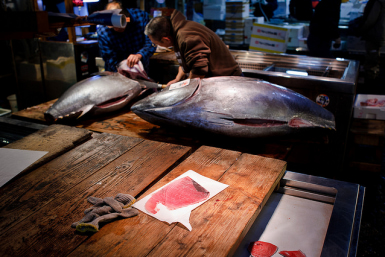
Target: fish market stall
{"x":40,"y":203}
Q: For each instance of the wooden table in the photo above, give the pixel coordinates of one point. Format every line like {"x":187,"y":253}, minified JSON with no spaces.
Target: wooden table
{"x":38,"y":207}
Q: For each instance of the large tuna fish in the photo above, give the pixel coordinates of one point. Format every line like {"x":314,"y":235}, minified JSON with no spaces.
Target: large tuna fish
{"x":95,"y":95}
{"x":234,"y":106}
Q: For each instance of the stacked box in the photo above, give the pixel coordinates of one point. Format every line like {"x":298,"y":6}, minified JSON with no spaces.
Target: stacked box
{"x":236,"y":13}
{"x":214,"y":9}
{"x":237,"y":10}
{"x":249,"y":27}
{"x":214,"y":12}
{"x":268,"y":38}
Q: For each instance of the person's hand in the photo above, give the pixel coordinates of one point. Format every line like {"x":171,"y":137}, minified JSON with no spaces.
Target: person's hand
{"x":337,"y":43}
{"x":133,"y":59}
{"x":173,"y":81}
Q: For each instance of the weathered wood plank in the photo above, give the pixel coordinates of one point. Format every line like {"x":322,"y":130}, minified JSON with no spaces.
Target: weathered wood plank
{"x":34,"y":113}
{"x":47,"y":232}
{"x":31,"y":192}
{"x":211,"y":222}
{"x":55,"y":139}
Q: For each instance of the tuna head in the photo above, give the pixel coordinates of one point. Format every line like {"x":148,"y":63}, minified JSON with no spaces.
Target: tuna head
{"x":95,"y":95}
{"x":234,"y":106}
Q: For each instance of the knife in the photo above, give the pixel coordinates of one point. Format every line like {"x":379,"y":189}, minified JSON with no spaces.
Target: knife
{"x":149,"y":84}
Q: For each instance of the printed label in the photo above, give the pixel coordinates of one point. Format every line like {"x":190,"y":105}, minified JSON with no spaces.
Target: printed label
{"x":323,"y":100}
{"x":179,"y":84}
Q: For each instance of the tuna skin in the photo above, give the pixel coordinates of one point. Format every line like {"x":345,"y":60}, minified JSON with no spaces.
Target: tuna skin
{"x":234,"y":106}
{"x":97,"y":95}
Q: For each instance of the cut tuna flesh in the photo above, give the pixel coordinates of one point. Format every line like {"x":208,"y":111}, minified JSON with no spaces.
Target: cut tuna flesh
{"x":135,"y":72}
{"x":262,"y":249}
{"x":298,"y":253}
{"x":179,"y":193}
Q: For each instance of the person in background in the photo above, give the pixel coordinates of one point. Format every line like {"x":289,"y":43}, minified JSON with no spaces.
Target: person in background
{"x":323,"y":29}
{"x":130,"y":43}
{"x":372,"y":31}
{"x":265,"y":8}
{"x":199,"y":51}
{"x":301,"y":10}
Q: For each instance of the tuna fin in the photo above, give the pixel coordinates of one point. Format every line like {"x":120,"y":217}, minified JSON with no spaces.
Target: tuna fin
{"x":85,"y":109}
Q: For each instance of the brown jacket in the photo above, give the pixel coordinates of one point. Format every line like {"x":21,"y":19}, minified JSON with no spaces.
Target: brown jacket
{"x":200,"y":50}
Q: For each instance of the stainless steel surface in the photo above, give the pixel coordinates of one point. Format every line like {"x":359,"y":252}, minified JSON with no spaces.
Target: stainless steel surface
{"x":341,"y":237}
{"x":343,"y":230}
{"x":323,"y":72}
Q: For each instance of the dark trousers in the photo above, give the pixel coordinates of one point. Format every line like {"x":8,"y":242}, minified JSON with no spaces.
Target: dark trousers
{"x":372,"y":59}
{"x":319,"y":46}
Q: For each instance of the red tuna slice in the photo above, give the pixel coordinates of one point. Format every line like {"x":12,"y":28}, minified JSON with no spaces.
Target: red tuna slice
{"x":262,"y":249}
{"x":179,"y":193}
{"x":298,"y":253}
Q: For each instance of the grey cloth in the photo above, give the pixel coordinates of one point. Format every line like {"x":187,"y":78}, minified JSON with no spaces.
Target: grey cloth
{"x":105,"y":210}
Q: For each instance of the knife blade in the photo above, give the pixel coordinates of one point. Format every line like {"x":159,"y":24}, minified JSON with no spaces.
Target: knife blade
{"x":149,"y":84}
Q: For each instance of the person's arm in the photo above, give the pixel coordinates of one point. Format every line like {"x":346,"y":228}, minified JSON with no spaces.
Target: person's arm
{"x":147,"y":50}
{"x":180,"y":76}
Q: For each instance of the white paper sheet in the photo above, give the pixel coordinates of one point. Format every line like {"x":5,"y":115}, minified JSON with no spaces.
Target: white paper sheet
{"x":182,"y":214}
{"x":14,"y":161}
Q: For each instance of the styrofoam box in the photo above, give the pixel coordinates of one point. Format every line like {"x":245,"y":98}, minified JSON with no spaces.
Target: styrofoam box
{"x":215,"y":2}
{"x":214,"y":12}
{"x":369,"y":112}
{"x":296,"y":32}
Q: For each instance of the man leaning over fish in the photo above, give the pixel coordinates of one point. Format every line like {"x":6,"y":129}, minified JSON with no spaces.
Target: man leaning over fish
{"x":199,"y":51}
{"x":130,"y":43}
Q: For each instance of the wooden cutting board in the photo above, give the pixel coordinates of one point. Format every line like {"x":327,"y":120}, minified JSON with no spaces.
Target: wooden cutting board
{"x":37,"y":210}
{"x":218,"y":225}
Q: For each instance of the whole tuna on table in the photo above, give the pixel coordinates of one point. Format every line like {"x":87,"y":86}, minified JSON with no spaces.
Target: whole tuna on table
{"x":234,"y":106}
{"x":95,"y":95}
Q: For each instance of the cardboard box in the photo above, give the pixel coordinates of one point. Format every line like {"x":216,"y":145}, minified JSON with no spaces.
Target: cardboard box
{"x":270,"y":31}
{"x":369,"y":107}
{"x":235,"y":24}
{"x":268,"y":38}
{"x":214,"y":12}
{"x":234,"y":37}
{"x":237,"y":9}
{"x":249,"y":26}
{"x":268,"y":46}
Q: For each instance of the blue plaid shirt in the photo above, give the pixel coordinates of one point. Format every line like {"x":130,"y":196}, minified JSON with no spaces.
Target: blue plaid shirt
{"x":115,"y":46}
